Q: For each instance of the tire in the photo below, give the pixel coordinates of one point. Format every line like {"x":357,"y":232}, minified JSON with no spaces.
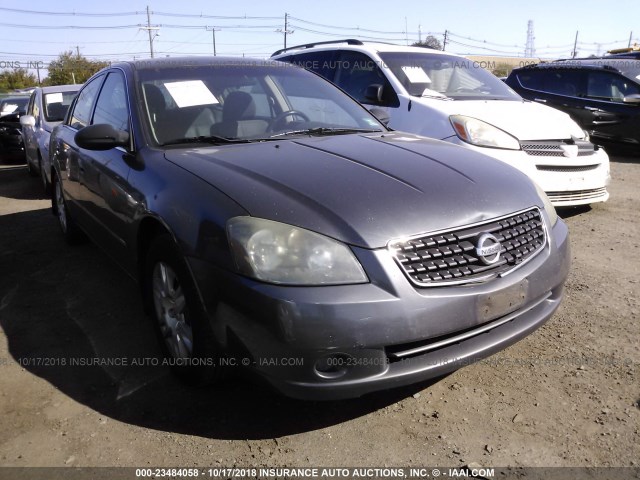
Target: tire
{"x":43,"y":177}
{"x":177,"y":313}
{"x":72,"y":233}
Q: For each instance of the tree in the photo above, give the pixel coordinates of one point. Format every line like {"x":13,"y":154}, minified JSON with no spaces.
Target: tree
{"x":429,"y":42}
{"x":69,"y":68}
{"x":16,"y":78}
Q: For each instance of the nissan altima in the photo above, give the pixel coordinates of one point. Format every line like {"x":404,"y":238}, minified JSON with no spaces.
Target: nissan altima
{"x":275,"y":225}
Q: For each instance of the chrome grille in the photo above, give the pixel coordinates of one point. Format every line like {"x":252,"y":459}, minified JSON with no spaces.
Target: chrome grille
{"x":577,"y":195}
{"x":452,"y":257}
{"x":553,"y":148}
{"x":566,"y":169}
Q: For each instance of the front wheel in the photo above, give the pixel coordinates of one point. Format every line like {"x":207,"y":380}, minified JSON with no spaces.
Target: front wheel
{"x":178,"y":315}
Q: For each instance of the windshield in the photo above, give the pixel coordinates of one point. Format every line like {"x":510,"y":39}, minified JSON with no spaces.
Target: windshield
{"x":444,"y":76}
{"x":245,"y":101}
{"x":13,"y":105}
{"x":56,"y":105}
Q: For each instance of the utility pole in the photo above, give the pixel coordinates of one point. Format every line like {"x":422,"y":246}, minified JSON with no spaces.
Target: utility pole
{"x":149,"y":31}
{"x":630,"y":36}
{"x":444,"y":43}
{"x":38,"y":70}
{"x":286,"y":27}
{"x":286,"y":30}
{"x":575,"y":46}
{"x":406,"y":31}
{"x":419,"y":33}
{"x":213,"y":32}
{"x":78,"y":51}
{"x":149,"y":28}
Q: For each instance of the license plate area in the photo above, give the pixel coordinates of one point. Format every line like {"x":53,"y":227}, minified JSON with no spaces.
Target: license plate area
{"x":497,"y":304}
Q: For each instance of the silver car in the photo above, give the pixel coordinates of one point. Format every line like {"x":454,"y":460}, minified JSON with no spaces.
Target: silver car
{"x":47,"y":108}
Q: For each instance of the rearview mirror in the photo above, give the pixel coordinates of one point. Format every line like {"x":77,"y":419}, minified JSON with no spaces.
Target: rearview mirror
{"x":374,"y":93}
{"x":101,"y":137}
{"x":28,"y":121}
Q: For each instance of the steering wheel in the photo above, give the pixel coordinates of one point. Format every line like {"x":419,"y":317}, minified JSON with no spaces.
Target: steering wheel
{"x":275,"y":123}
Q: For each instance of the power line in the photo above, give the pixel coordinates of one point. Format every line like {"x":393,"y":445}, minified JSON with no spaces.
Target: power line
{"x":70,"y":14}
{"x":68,"y":27}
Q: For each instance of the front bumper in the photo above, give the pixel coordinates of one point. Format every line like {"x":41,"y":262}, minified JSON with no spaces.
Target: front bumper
{"x":339,"y":342}
{"x":567,"y":181}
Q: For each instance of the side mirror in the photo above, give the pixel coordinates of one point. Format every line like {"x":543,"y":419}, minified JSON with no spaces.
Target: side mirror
{"x":381,"y":115}
{"x":634,"y":99}
{"x":101,"y":137}
{"x":374,"y":93}
{"x":28,"y":121}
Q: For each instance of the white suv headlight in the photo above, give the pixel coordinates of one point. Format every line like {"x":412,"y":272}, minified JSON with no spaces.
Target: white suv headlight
{"x":279,"y":253}
{"x":482,"y":134}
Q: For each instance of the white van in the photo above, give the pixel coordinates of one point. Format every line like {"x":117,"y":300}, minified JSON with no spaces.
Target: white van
{"x":451,"y":98}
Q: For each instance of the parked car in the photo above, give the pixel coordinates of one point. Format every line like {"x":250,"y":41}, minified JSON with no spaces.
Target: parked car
{"x":601,"y":94}
{"x":274,"y":223}
{"x":446,"y":96}
{"x":11,"y":144}
{"x":46,"y":109}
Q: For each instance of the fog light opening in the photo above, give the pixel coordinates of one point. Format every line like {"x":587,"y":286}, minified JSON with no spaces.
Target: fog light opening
{"x":334,"y":365}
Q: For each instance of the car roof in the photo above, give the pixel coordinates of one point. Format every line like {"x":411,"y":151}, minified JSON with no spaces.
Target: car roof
{"x":627,"y":67}
{"x":13,"y":99}
{"x":191,"y":61}
{"x":357,"y":45}
{"x":60,"y":88}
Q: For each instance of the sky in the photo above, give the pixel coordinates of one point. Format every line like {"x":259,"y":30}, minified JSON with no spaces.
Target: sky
{"x":111,"y":30}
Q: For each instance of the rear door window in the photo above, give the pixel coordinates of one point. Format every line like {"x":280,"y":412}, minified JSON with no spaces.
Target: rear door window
{"x":566,"y":82}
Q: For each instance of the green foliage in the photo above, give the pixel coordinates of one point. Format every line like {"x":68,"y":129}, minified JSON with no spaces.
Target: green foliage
{"x":429,"y":42}
{"x":502,"y":70}
{"x":69,"y":68}
{"x":16,"y":78}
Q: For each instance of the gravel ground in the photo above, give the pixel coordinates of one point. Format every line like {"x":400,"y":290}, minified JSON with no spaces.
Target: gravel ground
{"x":567,"y":395}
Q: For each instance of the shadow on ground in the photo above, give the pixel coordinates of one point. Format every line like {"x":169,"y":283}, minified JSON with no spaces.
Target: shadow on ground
{"x":16,"y":183}
{"x":60,"y":304}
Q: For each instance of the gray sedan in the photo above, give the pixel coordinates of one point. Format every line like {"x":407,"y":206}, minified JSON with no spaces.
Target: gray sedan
{"x":276,"y":226}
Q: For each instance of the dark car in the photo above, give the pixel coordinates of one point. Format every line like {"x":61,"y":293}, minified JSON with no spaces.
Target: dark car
{"x":11,"y":142}
{"x":274,"y":224}
{"x":601,"y":94}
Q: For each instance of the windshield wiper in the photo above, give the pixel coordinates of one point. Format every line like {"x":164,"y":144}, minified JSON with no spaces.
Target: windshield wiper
{"x":320,"y":131}
{"x":211,"y":139}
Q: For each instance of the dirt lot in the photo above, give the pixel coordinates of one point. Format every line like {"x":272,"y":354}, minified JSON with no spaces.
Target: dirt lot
{"x":568,"y":395}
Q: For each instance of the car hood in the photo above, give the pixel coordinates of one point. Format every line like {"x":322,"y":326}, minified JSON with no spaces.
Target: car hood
{"x":524,"y":120}
{"x":362,"y":189}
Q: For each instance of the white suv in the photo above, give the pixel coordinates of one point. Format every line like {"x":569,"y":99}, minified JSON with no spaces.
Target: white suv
{"x":448,"y":97}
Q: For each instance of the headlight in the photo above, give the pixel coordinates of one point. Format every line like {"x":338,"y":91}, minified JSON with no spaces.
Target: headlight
{"x":551,"y":211}
{"x":279,"y":253}
{"x":482,"y":134}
